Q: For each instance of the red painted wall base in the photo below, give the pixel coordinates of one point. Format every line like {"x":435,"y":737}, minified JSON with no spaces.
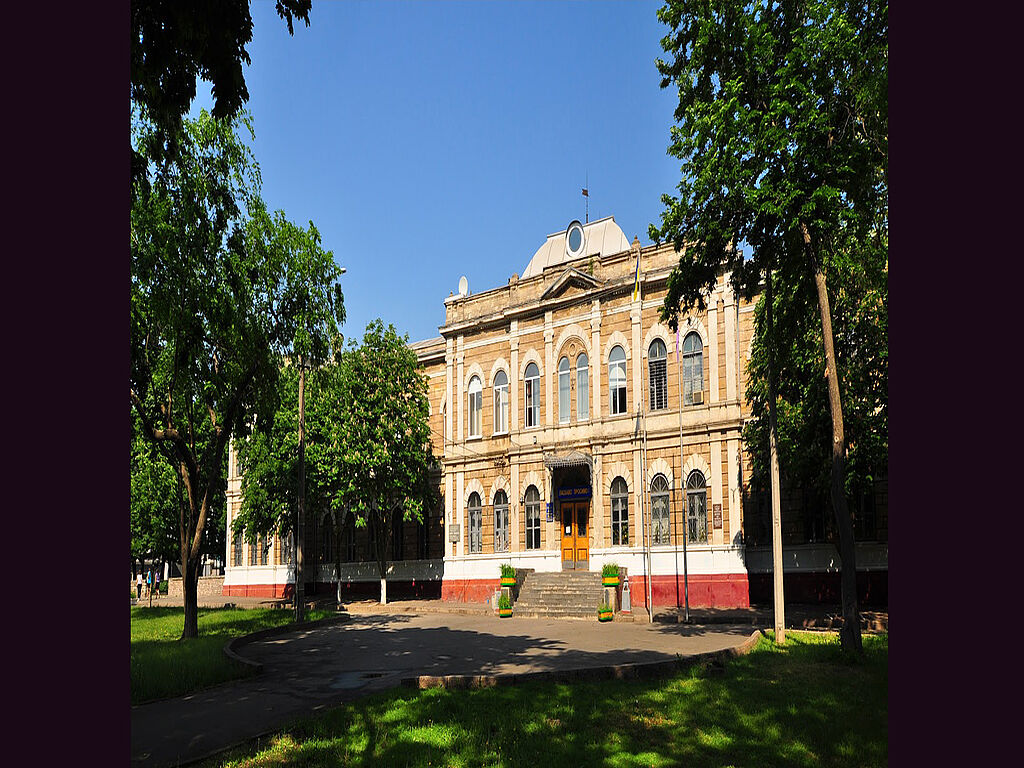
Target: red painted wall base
{"x":872,"y":588}
{"x":726,"y":590}
{"x":468,"y":590}
{"x":351,"y":590}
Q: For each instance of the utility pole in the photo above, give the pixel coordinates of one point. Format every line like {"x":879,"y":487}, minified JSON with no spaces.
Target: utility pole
{"x":682,"y":489}
{"x":773,"y":443}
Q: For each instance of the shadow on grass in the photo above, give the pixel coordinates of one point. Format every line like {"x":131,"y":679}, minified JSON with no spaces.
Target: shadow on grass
{"x":805,"y":705}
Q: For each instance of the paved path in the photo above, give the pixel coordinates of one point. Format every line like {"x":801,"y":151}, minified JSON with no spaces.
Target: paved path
{"x":323,"y":666}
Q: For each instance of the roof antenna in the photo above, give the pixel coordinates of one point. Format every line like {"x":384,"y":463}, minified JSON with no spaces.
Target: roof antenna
{"x":586,"y":194}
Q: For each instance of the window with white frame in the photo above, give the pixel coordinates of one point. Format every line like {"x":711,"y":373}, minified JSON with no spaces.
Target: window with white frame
{"x":500,"y":403}
{"x":657,"y":375}
{"x":617,"y":380}
{"x":620,"y":512}
{"x":531,"y":384}
{"x":564,"y":416}
{"x":239,"y":550}
{"x":660,"y":510}
{"x":532,"y":518}
{"x":693,"y":369}
{"x":476,"y":523}
{"x":501,"y":527}
{"x":696,"y":508}
{"x":582,"y":387}
{"x":476,"y":406}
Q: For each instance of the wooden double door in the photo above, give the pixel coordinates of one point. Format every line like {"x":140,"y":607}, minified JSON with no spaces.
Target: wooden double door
{"x":575,"y":535}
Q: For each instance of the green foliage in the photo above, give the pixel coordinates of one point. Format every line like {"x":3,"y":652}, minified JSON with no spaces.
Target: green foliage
{"x":221,"y":291}
{"x":173,"y":44}
{"x":379,"y":422}
{"x":155,"y":500}
{"x":604,"y":608}
{"x":782,"y":127}
{"x":802,"y":705}
{"x":507,"y":571}
{"x":504,"y":603}
{"x":610,"y":569}
{"x":859,"y":301}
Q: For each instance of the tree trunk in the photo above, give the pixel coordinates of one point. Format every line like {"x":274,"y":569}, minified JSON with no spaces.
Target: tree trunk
{"x":300,"y":576}
{"x":779,"y":599}
{"x":190,"y":587}
{"x":850,"y":633}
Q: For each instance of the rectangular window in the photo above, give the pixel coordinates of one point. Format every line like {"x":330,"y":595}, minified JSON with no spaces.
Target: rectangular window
{"x":582,"y":394}
{"x":533,"y":525}
{"x":532,"y":403}
{"x":864,"y":518}
{"x":253,"y":553}
{"x":564,"y":415}
{"x":660,"y":519}
{"x":476,"y":530}
{"x":287,"y":546}
{"x":501,"y":528}
{"x":501,"y":408}
{"x":476,"y":404}
{"x":239,"y":550}
{"x":620,"y":521}
{"x":264,"y":544}
{"x":658,"y":373}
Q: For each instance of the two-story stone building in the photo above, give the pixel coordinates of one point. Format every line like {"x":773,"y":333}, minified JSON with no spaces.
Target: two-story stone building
{"x":573,"y":429}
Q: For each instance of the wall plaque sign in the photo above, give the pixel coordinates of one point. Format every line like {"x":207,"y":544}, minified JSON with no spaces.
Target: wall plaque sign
{"x":573,"y":494}
{"x":550,"y":513}
{"x":716,"y":515}
{"x":453,"y":532}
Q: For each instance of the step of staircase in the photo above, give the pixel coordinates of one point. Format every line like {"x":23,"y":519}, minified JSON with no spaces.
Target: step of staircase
{"x":569,"y":594}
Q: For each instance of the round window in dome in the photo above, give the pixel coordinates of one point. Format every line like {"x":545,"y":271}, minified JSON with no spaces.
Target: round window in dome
{"x":574,"y":240}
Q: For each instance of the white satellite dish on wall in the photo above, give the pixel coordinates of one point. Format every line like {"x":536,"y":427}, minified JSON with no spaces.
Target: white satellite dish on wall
{"x":463,"y":286}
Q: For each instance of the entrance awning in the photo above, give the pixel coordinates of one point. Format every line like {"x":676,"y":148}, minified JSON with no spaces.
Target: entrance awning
{"x":571,"y":459}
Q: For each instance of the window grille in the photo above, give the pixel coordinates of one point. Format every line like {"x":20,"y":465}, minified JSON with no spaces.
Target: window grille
{"x":696,"y":509}
{"x":660,"y":525}
{"x":657,"y":374}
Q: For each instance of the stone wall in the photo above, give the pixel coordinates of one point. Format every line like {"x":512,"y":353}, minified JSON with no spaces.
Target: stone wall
{"x":209,"y":586}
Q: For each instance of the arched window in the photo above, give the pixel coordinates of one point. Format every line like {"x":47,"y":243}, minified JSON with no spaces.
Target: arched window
{"x":563,"y":391}
{"x":500,"y":522}
{"x":696,"y":509}
{"x":657,"y":375}
{"x":476,"y":405}
{"x":476,"y":523}
{"x":532,"y":518}
{"x":693,"y":370}
{"x":582,"y":387}
{"x":500,"y":403}
{"x":660,"y":511}
{"x":532,"y":400}
{"x":617,"y":380}
{"x":620,"y":512}
{"x":239,"y":550}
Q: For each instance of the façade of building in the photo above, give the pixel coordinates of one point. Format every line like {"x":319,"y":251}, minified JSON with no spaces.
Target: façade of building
{"x":572,"y":429}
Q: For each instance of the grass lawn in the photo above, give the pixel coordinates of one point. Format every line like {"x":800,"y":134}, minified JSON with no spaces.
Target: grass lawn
{"x":804,"y":705}
{"x":162,"y":665}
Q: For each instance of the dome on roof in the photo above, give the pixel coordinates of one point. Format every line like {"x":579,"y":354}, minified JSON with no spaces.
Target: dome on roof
{"x":601,"y":238}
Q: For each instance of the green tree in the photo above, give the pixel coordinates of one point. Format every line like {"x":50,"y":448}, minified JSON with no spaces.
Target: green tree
{"x":221,"y":291}
{"x":381,"y":426}
{"x":782,"y":126}
{"x":860,"y":322}
{"x":155,"y":501}
{"x":174,"y":42}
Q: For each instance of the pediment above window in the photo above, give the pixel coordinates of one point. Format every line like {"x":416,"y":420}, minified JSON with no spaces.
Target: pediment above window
{"x":571,"y":281}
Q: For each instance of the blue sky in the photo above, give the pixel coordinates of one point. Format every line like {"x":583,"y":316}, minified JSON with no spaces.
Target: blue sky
{"x":431,"y":140}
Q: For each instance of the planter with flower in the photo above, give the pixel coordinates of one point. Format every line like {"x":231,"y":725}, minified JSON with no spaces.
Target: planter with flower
{"x":504,"y":606}
{"x":605,"y":613}
{"x":508,"y":575}
{"x":610,"y":575}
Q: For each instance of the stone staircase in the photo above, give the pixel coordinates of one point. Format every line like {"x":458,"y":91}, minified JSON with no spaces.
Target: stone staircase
{"x":567,"y":594}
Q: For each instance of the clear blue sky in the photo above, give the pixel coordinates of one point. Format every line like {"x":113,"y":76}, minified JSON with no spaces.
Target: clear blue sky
{"x":431,"y":140}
